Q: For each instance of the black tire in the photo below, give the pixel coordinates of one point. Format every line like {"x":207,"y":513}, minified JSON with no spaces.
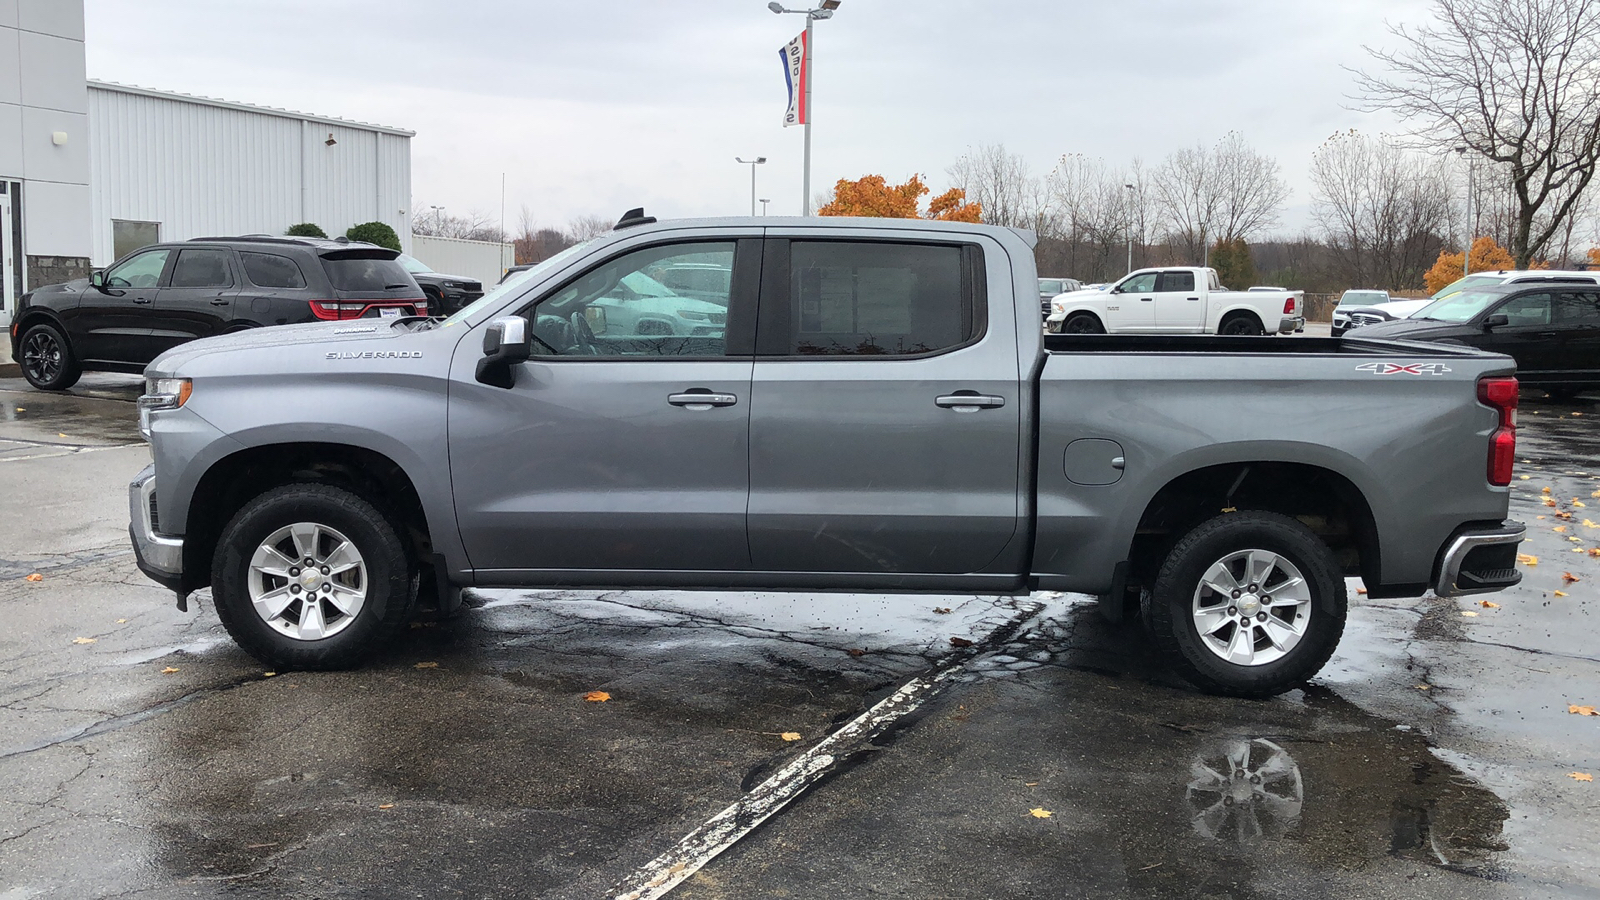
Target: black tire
{"x":1239,"y":324}
{"x":1169,"y":610}
{"x":1563,"y":392}
{"x":1082,"y":323}
{"x":389,"y":582}
{"x":47,"y":359}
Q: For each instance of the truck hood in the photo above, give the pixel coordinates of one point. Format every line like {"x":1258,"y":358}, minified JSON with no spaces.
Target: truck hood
{"x":1410,"y":330}
{"x":311,"y":340}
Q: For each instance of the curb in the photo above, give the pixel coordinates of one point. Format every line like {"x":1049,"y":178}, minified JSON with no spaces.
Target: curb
{"x":10,"y":370}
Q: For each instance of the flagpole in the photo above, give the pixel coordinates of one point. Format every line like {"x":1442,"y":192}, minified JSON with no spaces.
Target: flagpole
{"x":806,"y":181}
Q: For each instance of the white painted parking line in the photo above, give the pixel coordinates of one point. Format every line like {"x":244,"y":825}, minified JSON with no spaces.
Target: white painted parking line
{"x":726,"y":828}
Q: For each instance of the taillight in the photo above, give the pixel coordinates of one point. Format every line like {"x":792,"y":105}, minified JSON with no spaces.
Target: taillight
{"x":1288,"y":306}
{"x":333,"y":309}
{"x":1500,"y":394}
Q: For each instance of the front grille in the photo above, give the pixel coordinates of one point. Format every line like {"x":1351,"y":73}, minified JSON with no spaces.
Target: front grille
{"x":1364,"y":319}
{"x":155,"y":518}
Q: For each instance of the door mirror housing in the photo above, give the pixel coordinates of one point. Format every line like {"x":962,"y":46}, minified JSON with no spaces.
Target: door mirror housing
{"x":97,"y":279}
{"x":1496,"y":320}
{"x":506,"y":342}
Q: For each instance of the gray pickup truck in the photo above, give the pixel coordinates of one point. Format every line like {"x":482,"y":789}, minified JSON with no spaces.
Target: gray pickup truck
{"x":854,"y":404}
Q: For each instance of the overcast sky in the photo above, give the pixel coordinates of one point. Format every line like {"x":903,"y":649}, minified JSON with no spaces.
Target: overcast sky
{"x":593,"y":107}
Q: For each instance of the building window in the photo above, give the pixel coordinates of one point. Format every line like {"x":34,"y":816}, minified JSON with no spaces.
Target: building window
{"x":127,"y":236}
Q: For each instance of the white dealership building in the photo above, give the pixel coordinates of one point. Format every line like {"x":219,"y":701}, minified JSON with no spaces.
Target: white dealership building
{"x":90,"y":170}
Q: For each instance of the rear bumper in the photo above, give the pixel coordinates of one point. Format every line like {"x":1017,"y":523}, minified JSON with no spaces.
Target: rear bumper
{"x":1291,"y":324}
{"x":1480,"y":561}
{"x":158,"y":556}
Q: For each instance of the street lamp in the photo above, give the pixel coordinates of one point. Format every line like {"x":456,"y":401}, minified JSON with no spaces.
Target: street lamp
{"x":1130,"y":226}
{"x":764,"y":202}
{"x":752,"y":163}
{"x":438,"y":218}
{"x":824,"y":10}
{"x":1466,"y":251}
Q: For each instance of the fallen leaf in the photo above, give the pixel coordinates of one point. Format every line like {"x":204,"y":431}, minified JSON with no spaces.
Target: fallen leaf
{"x":1593,"y":551}
{"x":1559,"y":529}
{"x":169,"y":670}
{"x":1039,"y":812}
{"x":1595,"y":495}
{"x":1527,"y":559}
{"x":1559,"y":593}
{"x":1577,"y":413}
{"x":386,"y":806}
{"x":35,"y":577}
{"x":596,"y":697}
{"x":1580,"y":776}
{"x":268,"y":674}
{"x":1549,"y":502}
{"x":1575,"y":540}
{"x":60,"y":434}
{"x":856,"y":651}
{"x":1030,"y":784}
{"x":942,"y":610}
{"x":1230,"y":509}
{"x":427,"y":665}
{"x":790,"y":735}
{"x":122,"y":621}
{"x":1524,"y":477}
{"x":1545,"y":491}
{"x":1580,"y":504}
{"x":960,"y":642}
{"x":84,"y":640}
{"x":1569,"y":578}
{"x":1488,"y":604}
{"x":1564,"y":515}
{"x":1539,"y":517}
{"x":1361,"y":591}
{"x":1469,"y":614}
{"x":1424,"y":687}
{"x":1581,"y":710}
{"x":1589,"y":523}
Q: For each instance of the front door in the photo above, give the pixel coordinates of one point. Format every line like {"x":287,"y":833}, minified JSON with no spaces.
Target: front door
{"x":886,"y":410}
{"x":1133,"y":306}
{"x":1529,"y":336}
{"x":622,"y":448}
{"x":197,"y":299}
{"x":1179,"y":307}
{"x":113,"y":323}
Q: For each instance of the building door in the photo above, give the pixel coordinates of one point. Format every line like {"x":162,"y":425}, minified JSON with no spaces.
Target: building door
{"x":8,"y":262}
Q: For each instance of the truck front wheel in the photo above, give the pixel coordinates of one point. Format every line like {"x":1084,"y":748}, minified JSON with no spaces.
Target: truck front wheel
{"x":1249,"y":604}
{"x":311,"y":576}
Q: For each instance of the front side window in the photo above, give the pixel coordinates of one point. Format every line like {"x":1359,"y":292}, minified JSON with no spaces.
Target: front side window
{"x":1527,"y":310}
{"x":1172,"y":282}
{"x":201,"y":268}
{"x":877,"y":299}
{"x":142,"y":271}
{"x":269,"y":270}
{"x":641,"y":304}
{"x":1140,"y":284}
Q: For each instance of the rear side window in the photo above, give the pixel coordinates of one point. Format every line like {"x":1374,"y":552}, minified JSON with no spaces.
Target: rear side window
{"x":1176,"y":281}
{"x":880,"y":299}
{"x":1578,"y":309}
{"x":362,"y":273}
{"x":270,"y":270}
{"x":201,"y":268}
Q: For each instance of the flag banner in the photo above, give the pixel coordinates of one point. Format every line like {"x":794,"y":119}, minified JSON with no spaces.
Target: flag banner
{"x":793,"y":56}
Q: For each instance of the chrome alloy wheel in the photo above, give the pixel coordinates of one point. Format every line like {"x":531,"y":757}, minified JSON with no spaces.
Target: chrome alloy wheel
{"x":42,"y":356}
{"x":307,"y":581}
{"x":1251,"y":607}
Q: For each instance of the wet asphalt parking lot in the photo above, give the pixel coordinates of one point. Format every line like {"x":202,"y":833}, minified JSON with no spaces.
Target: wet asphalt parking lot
{"x":143,"y":755}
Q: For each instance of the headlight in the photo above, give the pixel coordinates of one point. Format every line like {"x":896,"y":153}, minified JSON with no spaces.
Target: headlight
{"x":455,"y":285}
{"x":1058,"y":305}
{"x":159,"y":394}
{"x":693,"y":314}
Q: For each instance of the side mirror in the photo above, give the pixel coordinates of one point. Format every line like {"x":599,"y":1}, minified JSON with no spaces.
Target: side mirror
{"x":505,"y":343}
{"x":97,"y":279}
{"x":1496,"y":320}
{"x":596,"y":317}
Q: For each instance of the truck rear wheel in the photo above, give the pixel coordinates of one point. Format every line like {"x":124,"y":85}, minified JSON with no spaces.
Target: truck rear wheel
{"x":1249,"y":604}
{"x":1241,"y":324}
{"x":311,"y":576}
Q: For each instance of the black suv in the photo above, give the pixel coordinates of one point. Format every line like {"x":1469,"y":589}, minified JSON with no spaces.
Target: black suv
{"x":446,"y":293}
{"x":120,"y":318}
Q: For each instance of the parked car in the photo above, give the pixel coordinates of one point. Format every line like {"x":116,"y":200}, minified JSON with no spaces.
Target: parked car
{"x":120,"y":318}
{"x":1050,"y":287}
{"x":445,"y":293}
{"x":1552,"y":330}
{"x":897,"y":423}
{"x":1175,"y":300}
{"x":1350,"y":300}
{"x":1402,"y":309}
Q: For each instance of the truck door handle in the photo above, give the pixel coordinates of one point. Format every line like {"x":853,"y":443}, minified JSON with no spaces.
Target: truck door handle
{"x":141,"y":299}
{"x":1147,"y":299}
{"x":1195,"y":298}
{"x":701,"y":399}
{"x":969,"y":401}
{"x":220,"y":301}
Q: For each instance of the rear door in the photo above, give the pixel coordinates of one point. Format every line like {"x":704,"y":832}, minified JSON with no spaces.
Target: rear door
{"x":1577,"y":317}
{"x":620,"y":454}
{"x":885,"y":418}
{"x":1179,"y":304}
{"x":197,"y":299}
{"x":114,"y":323}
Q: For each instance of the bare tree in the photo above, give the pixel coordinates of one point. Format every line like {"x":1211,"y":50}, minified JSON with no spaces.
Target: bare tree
{"x":1384,"y":212}
{"x":1186,"y":195}
{"x":1003,"y":184}
{"x":1090,"y":211}
{"x":474,"y":226}
{"x":1227,"y":192}
{"x":1517,"y":82}
{"x":584,"y":228}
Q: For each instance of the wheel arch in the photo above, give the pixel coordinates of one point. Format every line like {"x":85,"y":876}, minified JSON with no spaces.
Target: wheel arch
{"x":1237,"y":310}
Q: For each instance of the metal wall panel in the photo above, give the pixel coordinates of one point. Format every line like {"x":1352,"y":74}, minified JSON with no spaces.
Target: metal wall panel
{"x":484,"y":260}
{"x":201,"y":168}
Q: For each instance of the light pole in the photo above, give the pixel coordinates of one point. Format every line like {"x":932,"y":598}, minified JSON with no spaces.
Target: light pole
{"x":1130,"y":226}
{"x":823,"y":11}
{"x":764,"y":202}
{"x":1466,"y":252}
{"x":438,"y":218}
{"x":752,"y":163}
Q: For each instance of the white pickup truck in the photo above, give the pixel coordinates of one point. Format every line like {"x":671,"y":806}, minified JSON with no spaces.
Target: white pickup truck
{"x":1175,"y":300}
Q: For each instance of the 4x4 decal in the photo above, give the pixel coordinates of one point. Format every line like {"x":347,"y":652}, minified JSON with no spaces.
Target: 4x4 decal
{"x":1404,"y":368}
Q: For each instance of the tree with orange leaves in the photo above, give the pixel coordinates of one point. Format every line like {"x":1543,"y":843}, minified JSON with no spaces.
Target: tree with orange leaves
{"x":1486,"y":255}
{"x":874,"y":197}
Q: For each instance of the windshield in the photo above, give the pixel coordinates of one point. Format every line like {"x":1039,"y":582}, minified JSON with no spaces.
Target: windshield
{"x":1459,"y":307}
{"x":412,"y":264}
{"x":515,"y":282}
{"x":1363,"y":298}
{"x":1461,"y":284}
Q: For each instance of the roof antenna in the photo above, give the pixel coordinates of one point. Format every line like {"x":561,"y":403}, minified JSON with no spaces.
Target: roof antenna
{"x":633,"y":217}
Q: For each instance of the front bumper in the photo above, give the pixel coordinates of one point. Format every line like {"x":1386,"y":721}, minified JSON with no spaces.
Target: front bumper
{"x":1291,"y":324}
{"x":1480,"y":561}
{"x":158,"y":556}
